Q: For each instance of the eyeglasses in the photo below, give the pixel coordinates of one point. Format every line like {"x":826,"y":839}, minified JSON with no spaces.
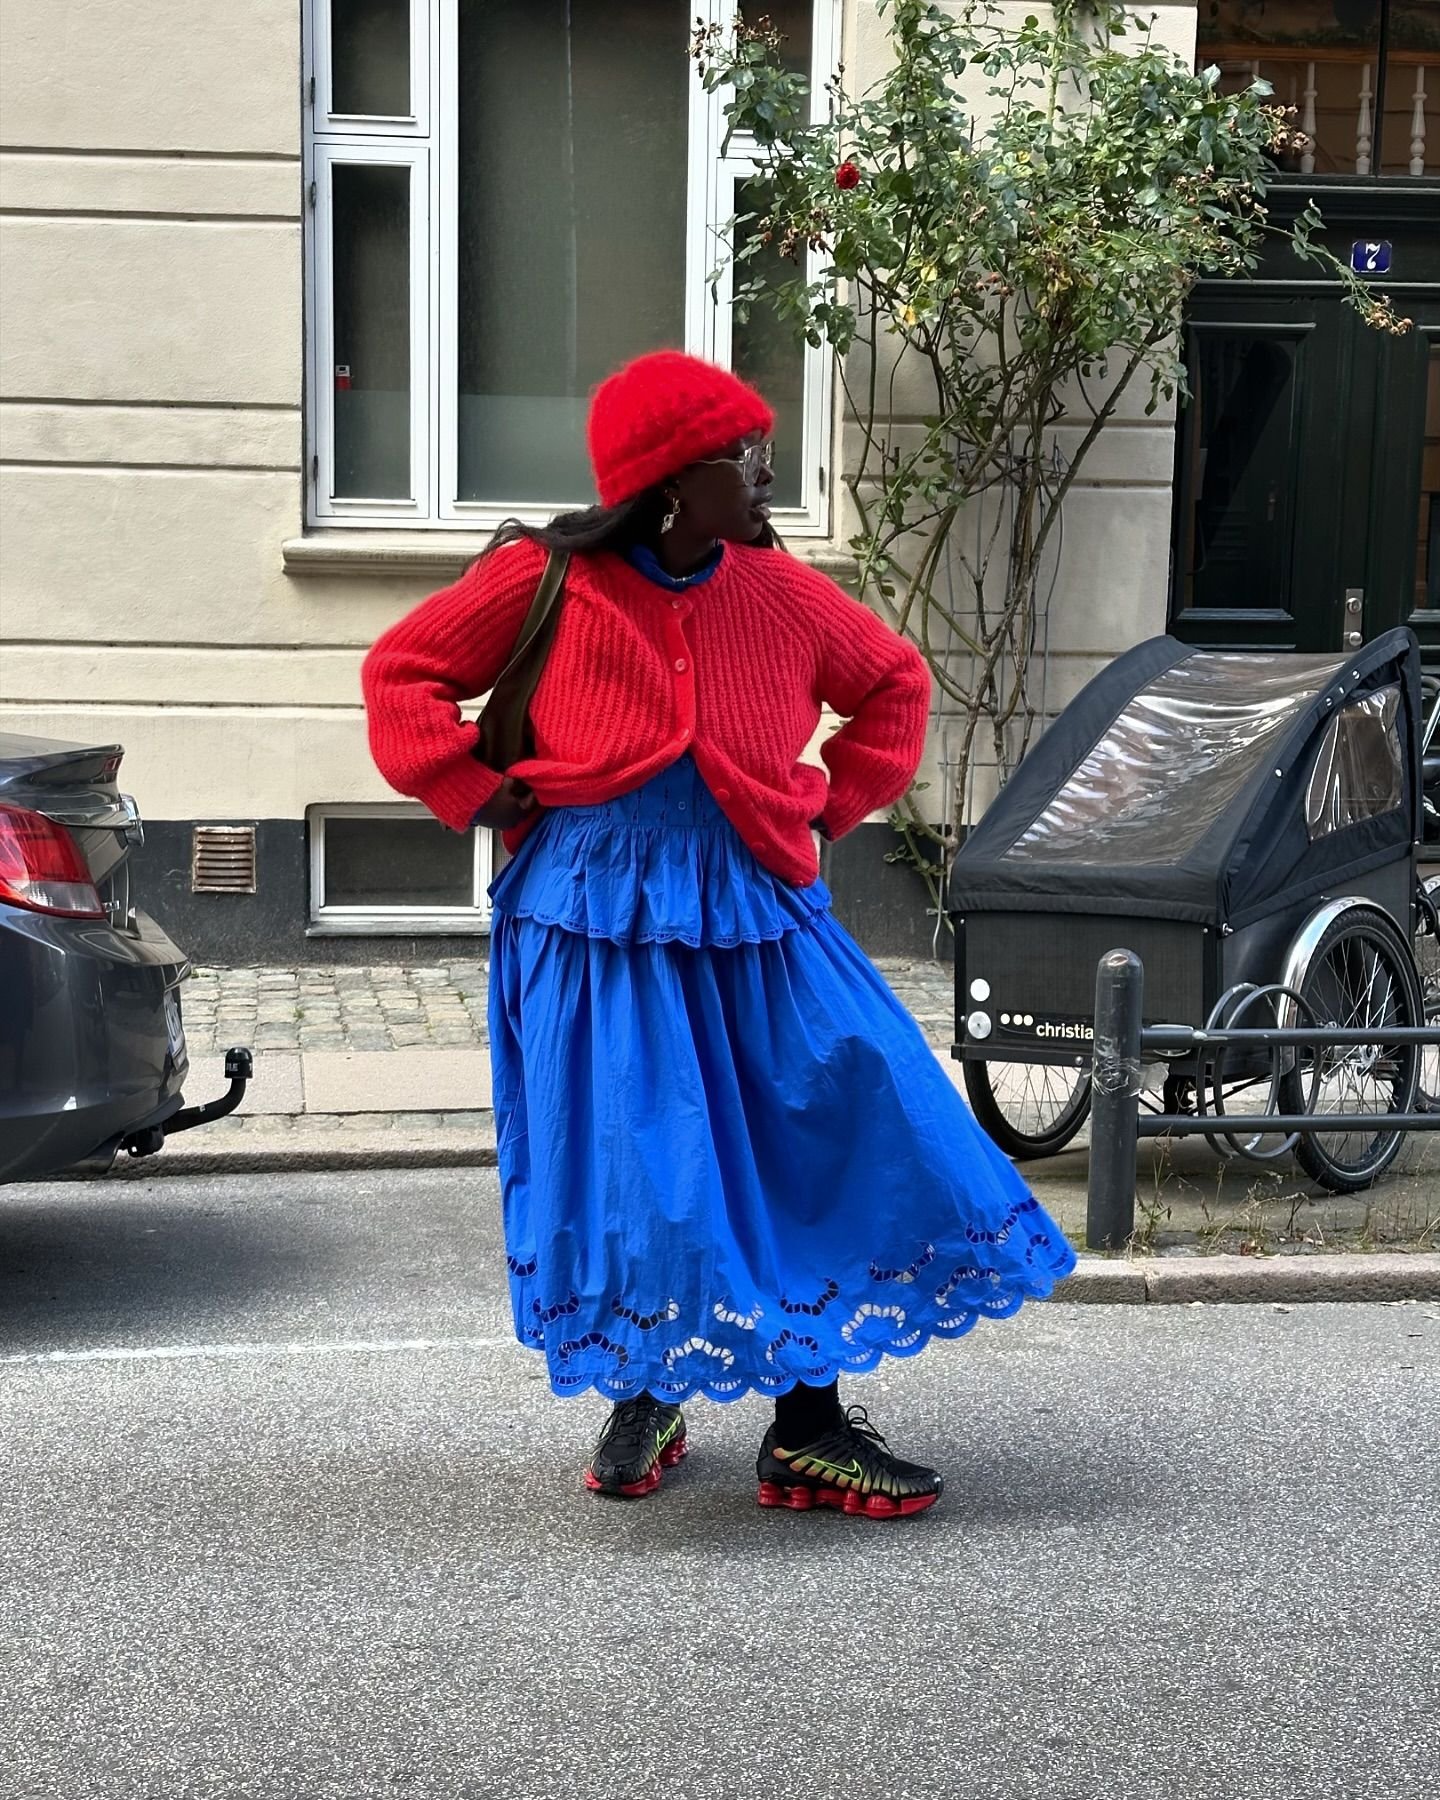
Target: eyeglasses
{"x":750,"y":462}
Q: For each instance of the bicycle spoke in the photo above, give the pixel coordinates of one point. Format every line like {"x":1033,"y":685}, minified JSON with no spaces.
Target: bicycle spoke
{"x":1356,"y":988}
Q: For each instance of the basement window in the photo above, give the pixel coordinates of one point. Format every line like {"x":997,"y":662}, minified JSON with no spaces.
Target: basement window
{"x":392,"y":870}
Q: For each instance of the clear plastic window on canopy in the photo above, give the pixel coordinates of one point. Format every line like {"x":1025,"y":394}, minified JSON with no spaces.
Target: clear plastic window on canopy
{"x":1359,"y":771}
{"x":1170,"y":764}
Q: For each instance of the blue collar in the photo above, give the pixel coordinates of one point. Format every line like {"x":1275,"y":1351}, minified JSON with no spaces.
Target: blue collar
{"x":643,"y":558}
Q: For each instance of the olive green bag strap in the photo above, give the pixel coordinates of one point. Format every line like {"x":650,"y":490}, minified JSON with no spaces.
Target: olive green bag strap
{"x":506,"y":736}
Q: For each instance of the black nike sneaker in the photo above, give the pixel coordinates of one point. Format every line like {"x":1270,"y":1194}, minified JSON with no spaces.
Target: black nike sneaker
{"x":641,"y":1439}
{"x":850,"y":1468}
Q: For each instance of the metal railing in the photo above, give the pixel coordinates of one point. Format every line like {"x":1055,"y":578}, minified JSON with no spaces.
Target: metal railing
{"x":1123,"y":1045}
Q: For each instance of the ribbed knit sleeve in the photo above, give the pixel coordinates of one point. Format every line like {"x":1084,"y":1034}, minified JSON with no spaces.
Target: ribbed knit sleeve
{"x":877,"y":680}
{"x":450,"y":648}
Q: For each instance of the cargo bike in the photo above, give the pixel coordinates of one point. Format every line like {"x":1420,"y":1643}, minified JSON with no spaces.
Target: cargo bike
{"x":1250,"y":825}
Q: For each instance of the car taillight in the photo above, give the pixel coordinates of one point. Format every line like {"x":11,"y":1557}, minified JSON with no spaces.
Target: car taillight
{"x":41,"y":867}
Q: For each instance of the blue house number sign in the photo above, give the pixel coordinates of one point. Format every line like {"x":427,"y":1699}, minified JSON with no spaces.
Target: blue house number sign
{"x":1370,"y":257}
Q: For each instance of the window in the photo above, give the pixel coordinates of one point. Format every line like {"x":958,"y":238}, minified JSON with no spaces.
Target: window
{"x":1363,"y":76}
{"x":393,"y":870}
{"x":1359,"y":770}
{"x":508,"y":199}
{"x":1181,"y":751}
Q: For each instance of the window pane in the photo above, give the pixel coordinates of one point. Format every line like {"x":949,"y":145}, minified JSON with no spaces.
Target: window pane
{"x":1359,"y":770}
{"x":397,"y":862}
{"x":1320,"y":58}
{"x":1241,"y":431}
{"x":766,"y":352}
{"x":371,"y":225}
{"x":572,"y":190}
{"x":1411,"y":136}
{"x":370,"y":58}
{"x":1177,"y":755}
{"x":793,"y":20}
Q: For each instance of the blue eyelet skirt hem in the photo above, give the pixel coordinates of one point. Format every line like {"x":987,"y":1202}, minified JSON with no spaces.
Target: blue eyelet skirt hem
{"x":732,"y":1169}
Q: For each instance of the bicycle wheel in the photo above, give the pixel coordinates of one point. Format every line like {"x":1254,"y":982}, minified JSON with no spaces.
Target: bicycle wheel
{"x":1360,"y":974}
{"x":1028,"y":1109}
{"x":1427,"y":966}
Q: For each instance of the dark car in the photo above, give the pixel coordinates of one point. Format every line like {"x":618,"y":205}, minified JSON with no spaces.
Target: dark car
{"x":92,"y":1047}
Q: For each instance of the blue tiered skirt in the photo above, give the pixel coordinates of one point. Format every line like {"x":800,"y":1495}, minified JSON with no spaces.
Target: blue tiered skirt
{"x":730,"y":1159}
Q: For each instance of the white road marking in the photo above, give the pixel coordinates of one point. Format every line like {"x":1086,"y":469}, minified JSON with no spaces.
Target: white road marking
{"x":234,"y":1352}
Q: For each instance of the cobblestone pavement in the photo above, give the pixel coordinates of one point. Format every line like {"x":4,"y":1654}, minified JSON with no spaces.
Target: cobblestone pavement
{"x":440,"y":1006}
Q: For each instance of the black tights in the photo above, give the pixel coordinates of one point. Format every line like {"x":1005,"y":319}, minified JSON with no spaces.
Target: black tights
{"x":806,"y":1413}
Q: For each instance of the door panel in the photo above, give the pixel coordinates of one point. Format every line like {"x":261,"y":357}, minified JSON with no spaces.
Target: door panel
{"x":1308,"y":469}
{"x":1253,"y":529}
{"x":1405,"y":496}
{"x":1242,"y":442}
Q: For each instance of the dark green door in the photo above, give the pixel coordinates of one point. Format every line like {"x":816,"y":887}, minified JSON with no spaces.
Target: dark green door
{"x":1308,"y":471}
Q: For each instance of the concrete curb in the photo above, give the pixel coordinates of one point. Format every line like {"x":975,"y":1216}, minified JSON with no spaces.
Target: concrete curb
{"x":1175,"y":1278}
{"x":1294,"y":1280}
{"x":309,"y":1153}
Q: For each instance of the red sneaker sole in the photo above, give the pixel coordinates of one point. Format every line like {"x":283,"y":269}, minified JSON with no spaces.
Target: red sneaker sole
{"x":846,"y":1500}
{"x":637,"y":1490}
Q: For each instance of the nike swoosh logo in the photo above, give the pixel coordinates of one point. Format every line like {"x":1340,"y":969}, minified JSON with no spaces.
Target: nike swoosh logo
{"x":851,"y":1469}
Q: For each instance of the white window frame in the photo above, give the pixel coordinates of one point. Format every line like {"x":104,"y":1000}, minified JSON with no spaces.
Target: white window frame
{"x":427,"y":142}
{"x":415,"y":123}
{"x":394,"y":921}
{"x":329,"y":506}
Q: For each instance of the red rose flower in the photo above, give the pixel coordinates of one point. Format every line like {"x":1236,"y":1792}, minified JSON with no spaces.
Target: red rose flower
{"x":847,"y":176}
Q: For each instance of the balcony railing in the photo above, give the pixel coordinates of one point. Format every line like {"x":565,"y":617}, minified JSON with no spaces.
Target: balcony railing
{"x":1333,"y":96}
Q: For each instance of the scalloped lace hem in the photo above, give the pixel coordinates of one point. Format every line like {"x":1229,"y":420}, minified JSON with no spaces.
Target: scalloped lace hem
{"x":594,"y":1364}
{"x":738,"y":1386}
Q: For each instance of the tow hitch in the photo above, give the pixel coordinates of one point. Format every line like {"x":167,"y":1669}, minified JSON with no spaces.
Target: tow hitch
{"x":239,"y":1069}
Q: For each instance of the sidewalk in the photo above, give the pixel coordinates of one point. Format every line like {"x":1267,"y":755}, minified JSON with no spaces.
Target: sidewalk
{"x":388,"y":1067}
{"x":381,"y":1064}
{"x":328,"y":1010}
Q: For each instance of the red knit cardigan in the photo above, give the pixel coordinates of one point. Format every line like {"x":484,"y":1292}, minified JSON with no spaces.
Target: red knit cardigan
{"x":735,"y":671}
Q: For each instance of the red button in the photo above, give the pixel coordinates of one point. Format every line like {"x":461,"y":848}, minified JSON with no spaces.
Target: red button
{"x":681,"y":664}
{"x":722,"y":794}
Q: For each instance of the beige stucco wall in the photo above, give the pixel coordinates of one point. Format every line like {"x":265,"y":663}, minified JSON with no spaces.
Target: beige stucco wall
{"x":151,"y":333}
{"x":151,"y":309}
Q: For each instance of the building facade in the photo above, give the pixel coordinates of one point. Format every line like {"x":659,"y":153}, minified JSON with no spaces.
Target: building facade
{"x":299,"y":299}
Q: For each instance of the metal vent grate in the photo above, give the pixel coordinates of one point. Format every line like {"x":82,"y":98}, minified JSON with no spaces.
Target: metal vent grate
{"x":222,"y":859}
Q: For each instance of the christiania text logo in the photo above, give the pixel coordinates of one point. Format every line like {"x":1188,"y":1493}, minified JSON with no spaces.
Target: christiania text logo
{"x":1075,"y":1031}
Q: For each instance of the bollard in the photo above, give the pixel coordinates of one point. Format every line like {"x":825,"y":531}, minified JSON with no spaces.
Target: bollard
{"x":1115,"y":1103}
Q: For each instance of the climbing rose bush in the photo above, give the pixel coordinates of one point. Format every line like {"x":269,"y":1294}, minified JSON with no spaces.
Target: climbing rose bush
{"x":1010,"y":220}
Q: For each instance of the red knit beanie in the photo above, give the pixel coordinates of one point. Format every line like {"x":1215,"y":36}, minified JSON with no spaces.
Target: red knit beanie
{"x":662,"y":413}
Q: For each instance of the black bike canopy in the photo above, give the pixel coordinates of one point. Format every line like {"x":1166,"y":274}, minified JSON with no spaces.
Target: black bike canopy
{"x":1210,"y":786}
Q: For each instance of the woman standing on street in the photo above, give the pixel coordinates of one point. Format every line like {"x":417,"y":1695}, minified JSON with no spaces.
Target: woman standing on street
{"x":730,"y":1161}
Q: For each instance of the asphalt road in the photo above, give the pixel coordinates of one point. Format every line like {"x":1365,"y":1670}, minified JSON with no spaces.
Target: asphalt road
{"x":285,"y":1514}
